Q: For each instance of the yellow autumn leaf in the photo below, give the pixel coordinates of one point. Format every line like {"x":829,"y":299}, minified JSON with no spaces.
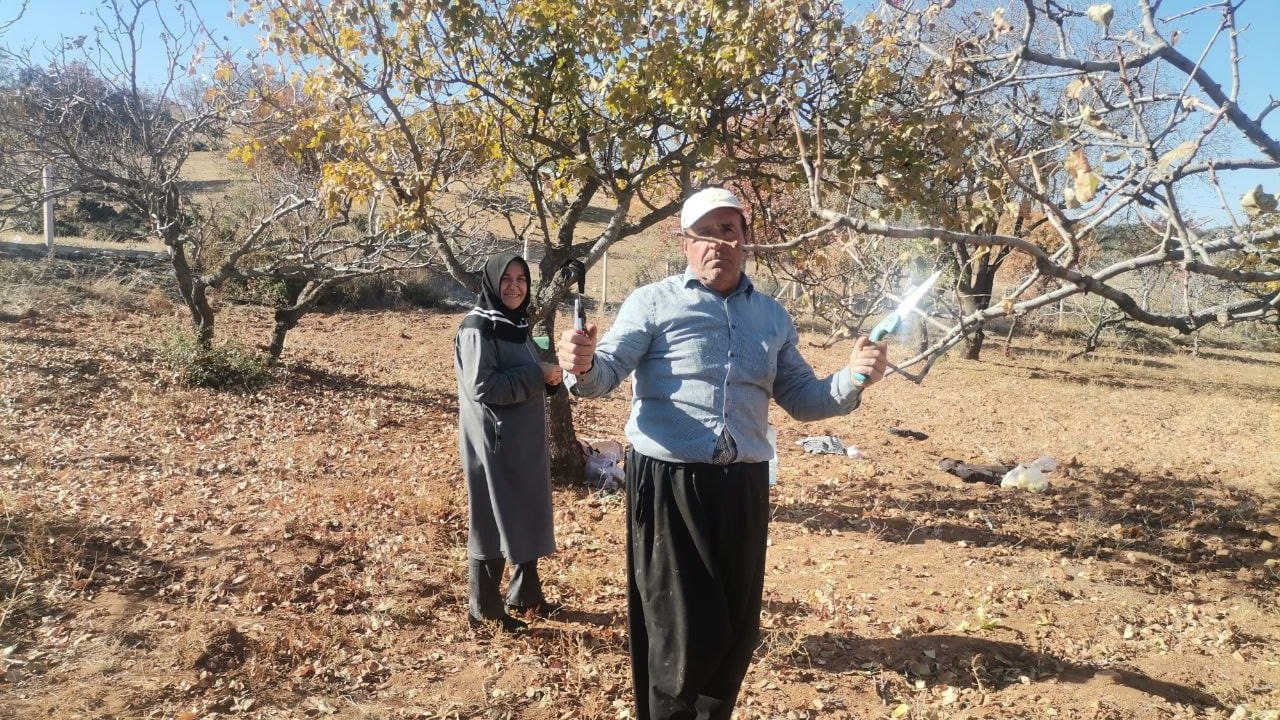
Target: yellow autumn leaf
{"x":1101,"y":13}
{"x":1076,"y":163}
{"x":1086,"y":186}
{"x":1176,"y":155}
{"x":998,"y":23}
{"x":1191,"y":102}
{"x":348,"y":38}
{"x":1258,"y":202}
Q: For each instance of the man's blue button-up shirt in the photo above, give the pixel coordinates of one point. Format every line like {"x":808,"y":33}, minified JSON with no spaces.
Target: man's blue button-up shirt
{"x":705,"y":363}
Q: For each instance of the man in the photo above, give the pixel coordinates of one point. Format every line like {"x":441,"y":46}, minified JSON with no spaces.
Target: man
{"x":708,"y":352}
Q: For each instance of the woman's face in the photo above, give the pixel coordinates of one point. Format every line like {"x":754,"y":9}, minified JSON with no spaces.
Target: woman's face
{"x":513,"y":288}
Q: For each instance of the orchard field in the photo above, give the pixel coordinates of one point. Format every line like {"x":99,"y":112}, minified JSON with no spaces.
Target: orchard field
{"x":298,"y":550}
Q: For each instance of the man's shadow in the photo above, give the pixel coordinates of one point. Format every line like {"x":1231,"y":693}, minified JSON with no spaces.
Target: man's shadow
{"x":965,"y":661}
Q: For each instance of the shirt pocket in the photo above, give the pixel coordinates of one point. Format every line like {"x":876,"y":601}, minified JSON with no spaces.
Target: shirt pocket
{"x":759,"y":361}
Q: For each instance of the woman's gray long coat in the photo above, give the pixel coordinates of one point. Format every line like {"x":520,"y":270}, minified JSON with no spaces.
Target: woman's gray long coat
{"x":502,"y":438}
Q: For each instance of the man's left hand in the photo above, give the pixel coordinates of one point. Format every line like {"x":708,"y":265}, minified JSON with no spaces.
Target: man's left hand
{"x":869,"y":359}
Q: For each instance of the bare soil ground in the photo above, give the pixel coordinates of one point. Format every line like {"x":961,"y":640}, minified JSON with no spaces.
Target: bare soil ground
{"x":299,"y":551}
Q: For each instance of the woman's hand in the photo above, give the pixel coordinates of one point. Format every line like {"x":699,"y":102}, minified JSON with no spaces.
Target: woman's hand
{"x":551,"y":373}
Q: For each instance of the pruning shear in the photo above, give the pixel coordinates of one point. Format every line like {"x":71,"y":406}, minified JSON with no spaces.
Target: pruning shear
{"x":576,"y":270}
{"x":893,"y":320}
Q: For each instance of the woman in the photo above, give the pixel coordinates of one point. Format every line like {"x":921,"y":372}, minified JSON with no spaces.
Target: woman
{"x":502,"y":438}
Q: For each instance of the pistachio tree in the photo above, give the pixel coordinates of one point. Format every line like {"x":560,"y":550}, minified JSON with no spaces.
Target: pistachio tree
{"x":87,"y":114}
{"x":1093,"y":119}
{"x":565,"y":127}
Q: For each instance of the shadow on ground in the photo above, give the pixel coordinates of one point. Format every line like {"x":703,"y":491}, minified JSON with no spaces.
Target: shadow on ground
{"x":969,"y":662}
{"x":1194,"y":526}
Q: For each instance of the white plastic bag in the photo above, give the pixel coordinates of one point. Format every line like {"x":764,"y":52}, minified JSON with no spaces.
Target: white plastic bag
{"x":1024,"y":477}
{"x":1044,"y":464}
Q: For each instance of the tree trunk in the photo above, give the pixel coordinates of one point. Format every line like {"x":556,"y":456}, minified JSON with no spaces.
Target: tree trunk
{"x":190,"y":284}
{"x":194,"y":294}
{"x":204,"y":326}
{"x":567,"y":460}
{"x":286,"y":320}
{"x":973,"y":343}
{"x":975,"y":296}
{"x":300,"y":299}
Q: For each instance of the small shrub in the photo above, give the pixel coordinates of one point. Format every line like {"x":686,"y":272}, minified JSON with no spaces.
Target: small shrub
{"x":89,"y":210}
{"x":271,"y":292}
{"x":66,"y":228}
{"x":23,"y":221}
{"x":225,"y":366}
{"x":419,"y":288}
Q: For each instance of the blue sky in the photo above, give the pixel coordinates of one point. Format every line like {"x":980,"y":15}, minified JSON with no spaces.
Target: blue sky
{"x":47,"y":20}
{"x":1259,"y":80}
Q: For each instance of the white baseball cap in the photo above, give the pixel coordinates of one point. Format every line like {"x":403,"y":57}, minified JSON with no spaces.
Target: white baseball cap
{"x":704,"y":201}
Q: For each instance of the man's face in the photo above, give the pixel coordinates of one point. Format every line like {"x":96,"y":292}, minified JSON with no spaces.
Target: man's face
{"x":717,"y":260}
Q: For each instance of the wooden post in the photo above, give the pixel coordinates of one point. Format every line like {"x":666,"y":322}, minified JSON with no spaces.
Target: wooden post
{"x":48,"y":208}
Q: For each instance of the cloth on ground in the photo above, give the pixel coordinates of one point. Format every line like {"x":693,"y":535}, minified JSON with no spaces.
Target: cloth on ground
{"x":990,"y":474}
{"x":603,"y":467}
{"x":821,"y":444}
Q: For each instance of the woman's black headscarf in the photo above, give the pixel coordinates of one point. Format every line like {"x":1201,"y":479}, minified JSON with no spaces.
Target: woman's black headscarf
{"x":490,"y":315}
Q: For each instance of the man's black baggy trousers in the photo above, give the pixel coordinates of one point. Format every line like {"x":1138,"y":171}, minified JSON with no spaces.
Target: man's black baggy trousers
{"x":696,"y":538}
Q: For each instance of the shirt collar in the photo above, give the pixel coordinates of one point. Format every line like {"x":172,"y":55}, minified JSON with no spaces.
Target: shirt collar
{"x":744,"y":283}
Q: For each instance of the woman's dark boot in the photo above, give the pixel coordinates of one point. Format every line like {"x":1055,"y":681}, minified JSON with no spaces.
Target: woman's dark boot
{"x":485,"y":600}
{"x":524,"y":594}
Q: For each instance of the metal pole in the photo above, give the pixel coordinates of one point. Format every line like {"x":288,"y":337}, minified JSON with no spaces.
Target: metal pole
{"x":48,"y":208}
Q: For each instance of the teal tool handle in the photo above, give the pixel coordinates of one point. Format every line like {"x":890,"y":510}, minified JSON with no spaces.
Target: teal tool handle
{"x":882,"y":328}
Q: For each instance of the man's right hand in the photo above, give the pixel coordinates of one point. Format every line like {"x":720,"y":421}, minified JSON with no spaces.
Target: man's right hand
{"x":576,"y":350}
